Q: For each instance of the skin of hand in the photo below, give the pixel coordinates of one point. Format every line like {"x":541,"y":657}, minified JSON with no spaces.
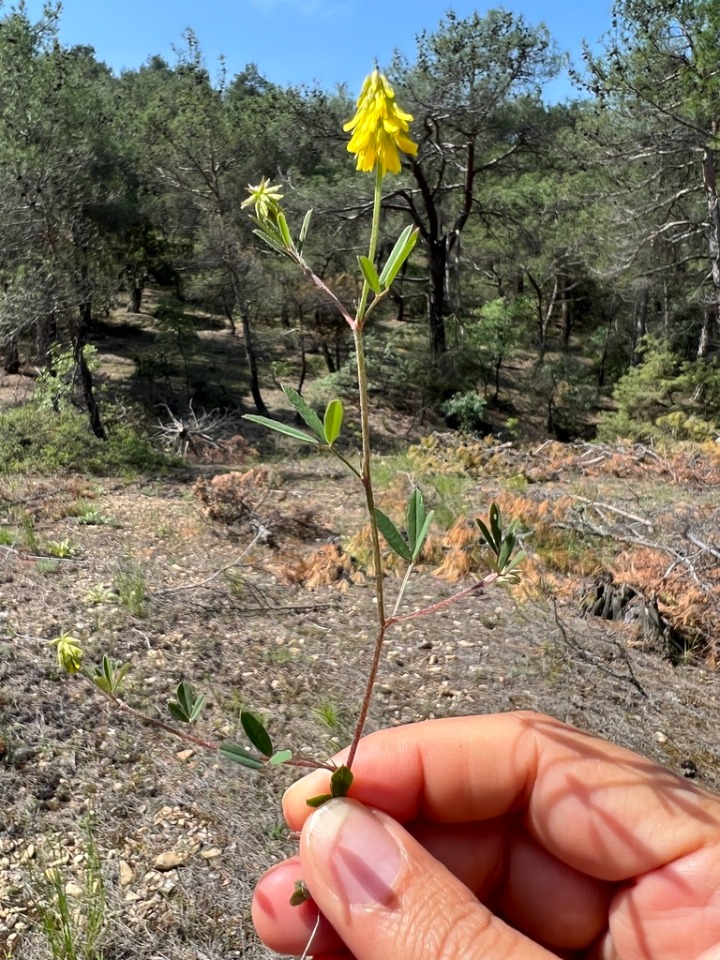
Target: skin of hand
{"x":511,"y":837}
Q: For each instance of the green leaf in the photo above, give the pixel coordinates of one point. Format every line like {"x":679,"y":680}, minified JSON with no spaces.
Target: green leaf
{"x":504,"y":555}
{"x":185,"y":696}
{"x":395,"y":541}
{"x":282,"y":756}
{"x":400,"y":252}
{"x":270,"y":241}
{"x":107,"y":669}
{"x":256,"y":733}
{"x":319,"y":800}
{"x":487,"y":536}
{"x":370,"y":274}
{"x":414,"y":517}
{"x":333,"y":421}
{"x":306,"y":412}
{"x":177,"y":711}
{"x":517,"y":559}
{"x":422,"y":536}
{"x":496,"y":523}
{"x":304,"y":231}
{"x":341,"y":781}
{"x":280,"y":428}
{"x":284,"y":230}
{"x":197,"y":708}
{"x":300,"y":894}
{"x":514,"y":562}
{"x":232,"y":751}
{"x":120,"y":673}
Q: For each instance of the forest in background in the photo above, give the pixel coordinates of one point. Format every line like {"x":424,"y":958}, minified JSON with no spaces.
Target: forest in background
{"x":582,"y":238}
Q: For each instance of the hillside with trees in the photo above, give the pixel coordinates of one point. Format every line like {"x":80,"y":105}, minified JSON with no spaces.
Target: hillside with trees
{"x":575,"y":244}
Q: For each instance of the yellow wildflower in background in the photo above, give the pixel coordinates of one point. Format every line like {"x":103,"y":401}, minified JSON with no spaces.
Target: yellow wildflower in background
{"x":69,"y":653}
{"x":265,"y":197}
{"x":379,"y":127}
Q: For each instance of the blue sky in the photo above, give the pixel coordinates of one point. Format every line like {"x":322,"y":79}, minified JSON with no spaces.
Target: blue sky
{"x":298,"y":41}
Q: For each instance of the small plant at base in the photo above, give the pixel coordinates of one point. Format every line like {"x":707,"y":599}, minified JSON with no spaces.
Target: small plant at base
{"x":72,"y":915}
{"x":100,"y":594}
{"x":30,"y":539}
{"x":62,"y":549}
{"x":92,"y":517}
{"x":131,"y":589}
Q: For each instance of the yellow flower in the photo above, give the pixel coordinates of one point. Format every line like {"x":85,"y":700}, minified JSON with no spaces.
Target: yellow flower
{"x":265,"y":197}
{"x":69,"y":653}
{"x":379,"y":127}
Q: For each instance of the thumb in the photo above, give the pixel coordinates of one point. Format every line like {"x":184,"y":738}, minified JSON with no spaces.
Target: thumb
{"x":386,"y":896}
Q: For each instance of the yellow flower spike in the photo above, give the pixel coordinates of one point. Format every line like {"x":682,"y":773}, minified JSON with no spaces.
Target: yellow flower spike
{"x":69,"y":653}
{"x":379,"y":127}
{"x":265,"y":197}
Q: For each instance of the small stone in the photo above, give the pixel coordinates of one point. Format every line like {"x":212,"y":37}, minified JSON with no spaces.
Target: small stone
{"x":425,"y":645}
{"x":168,"y":861}
{"x":185,"y":755}
{"x":211,"y":853}
{"x":73,"y":890}
{"x":660,"y":736}
{"x":28,"y":853}
{"x":125,"y":874}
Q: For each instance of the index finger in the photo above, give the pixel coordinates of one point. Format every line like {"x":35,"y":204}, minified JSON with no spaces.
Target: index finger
{"x":597,"y":807}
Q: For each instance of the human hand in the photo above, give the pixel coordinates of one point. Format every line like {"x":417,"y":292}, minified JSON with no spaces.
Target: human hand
{"x":507,"y":836}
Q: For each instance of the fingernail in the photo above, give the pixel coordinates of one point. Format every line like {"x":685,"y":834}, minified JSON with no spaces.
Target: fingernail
{"x":352,"y":848}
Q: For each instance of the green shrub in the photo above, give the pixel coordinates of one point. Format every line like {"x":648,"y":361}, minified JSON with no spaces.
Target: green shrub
{"x":465,"y":409}
{"x":34,"y":439}
{"x":655,"y":399}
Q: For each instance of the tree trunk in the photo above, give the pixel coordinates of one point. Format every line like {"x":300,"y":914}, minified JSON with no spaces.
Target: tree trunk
{"x":711,"y":198}
{"x":252,"y":362}
{"x":136,"y":295}
{"x":230,"y":317}
{"x":640,"y":327}
{"x":11,"y":361}
{"x":45,"y":336}
{"x":86,"y":380}
{"x":328,"y":356}
{"x":565,"y":317}
{"x":436,"y":298}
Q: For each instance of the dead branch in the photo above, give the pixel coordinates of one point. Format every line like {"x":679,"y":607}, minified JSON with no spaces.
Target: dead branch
{"x":608,"y":506}
{"x":183,"y":433}
{"x":213,"y":576}
{"x":704,"y":547}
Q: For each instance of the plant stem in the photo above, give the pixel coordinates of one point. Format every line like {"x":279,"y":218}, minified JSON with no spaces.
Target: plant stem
{"x":403,"y":587}
{"x":296,"y":761}
{"x":366,"y":476}
{"x":372,"y":248}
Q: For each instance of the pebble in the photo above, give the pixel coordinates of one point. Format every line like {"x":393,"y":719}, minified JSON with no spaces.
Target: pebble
{"x":170,"y":860}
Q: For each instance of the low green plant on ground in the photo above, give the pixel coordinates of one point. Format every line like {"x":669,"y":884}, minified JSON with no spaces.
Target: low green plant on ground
{"x":130,"y":588}
{"x":39,"y":440}
{"x":70,"y":905}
